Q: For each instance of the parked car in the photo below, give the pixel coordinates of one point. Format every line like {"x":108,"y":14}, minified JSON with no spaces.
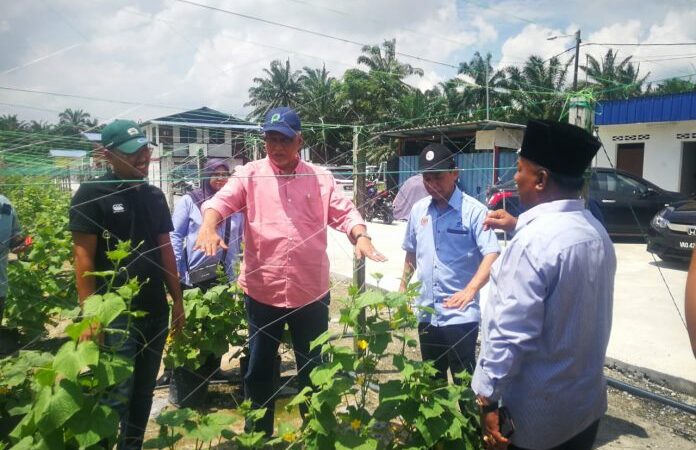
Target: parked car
{"x":627,"y":203}
{"x":672,"y":232}
{"x":344,"y":178}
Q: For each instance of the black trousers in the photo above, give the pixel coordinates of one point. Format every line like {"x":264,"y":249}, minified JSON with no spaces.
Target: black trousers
{"x":581,"y":441}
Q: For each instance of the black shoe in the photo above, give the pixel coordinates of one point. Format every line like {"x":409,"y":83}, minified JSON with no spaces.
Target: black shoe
{"x":165,"y":379}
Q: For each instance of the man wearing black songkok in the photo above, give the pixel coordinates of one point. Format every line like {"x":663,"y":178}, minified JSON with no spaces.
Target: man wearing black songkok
{"x":546,"y":324}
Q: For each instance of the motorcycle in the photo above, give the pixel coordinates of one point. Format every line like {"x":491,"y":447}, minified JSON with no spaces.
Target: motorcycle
{"x":378,"y":204}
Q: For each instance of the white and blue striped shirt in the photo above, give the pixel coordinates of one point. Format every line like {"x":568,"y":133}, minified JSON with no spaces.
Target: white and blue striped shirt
{"x":546,"y":325}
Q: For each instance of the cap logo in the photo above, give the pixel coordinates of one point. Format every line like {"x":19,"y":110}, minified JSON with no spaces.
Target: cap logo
{"x":275,"y":118}
{"x":430,"y":155}
{"x":132,"y":131}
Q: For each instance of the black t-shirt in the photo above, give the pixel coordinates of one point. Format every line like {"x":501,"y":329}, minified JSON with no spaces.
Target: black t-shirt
{"x":117,"y":211}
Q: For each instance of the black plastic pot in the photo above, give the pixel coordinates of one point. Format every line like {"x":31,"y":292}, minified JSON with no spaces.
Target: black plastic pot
{"x":9,"y":341}
{"x":188,"y":388}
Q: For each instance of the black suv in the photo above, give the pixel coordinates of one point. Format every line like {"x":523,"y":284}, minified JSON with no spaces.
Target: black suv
{"x":627,"y":203}
{"x":672,"y":233}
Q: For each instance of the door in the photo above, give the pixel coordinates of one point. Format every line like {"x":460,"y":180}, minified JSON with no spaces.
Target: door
{"x":627,"y":203}
{"x":629,"y":158}
{"x":688,"y":169}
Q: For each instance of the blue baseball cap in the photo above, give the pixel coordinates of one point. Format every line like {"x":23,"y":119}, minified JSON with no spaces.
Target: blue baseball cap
{"x":284,"y":120}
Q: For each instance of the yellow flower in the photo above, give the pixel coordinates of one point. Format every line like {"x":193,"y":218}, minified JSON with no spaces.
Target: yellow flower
{"x":355,"y":424}
{"x":362,"y":344}
{"x":360,"y":380}
{"x":289,"y":437}
{"x":170,"y":340}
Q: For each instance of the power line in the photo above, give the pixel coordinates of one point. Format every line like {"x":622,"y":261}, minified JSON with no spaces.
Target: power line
{"x":641,"y":44}
{"x":312,"y":32}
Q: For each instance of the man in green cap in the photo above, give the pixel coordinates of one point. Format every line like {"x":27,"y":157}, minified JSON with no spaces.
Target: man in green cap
{"x":122,"y":206}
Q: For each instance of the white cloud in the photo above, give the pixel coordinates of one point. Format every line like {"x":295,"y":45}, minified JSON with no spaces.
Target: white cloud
{"x":177,"y":54}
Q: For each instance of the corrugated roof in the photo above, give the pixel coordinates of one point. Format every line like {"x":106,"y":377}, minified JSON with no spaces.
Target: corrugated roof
{"x":431,"y":130}
{"x":655,"y":108}
{"x":203,"y":117}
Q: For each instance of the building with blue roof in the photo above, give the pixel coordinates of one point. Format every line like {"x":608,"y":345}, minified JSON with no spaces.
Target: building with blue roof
{"x":652,"y":136}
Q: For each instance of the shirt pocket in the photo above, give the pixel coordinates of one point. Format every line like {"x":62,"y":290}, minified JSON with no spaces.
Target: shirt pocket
{"x":458,"y":230}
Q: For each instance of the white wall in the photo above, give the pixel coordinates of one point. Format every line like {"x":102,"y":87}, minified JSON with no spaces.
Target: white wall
{"x":662,"y":149}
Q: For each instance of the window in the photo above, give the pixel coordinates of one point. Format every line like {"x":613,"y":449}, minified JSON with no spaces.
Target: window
{"x":188,"y":135}
{"x":166,"y":135}
{"x":615,"y":183}
{"x":216,"y":136}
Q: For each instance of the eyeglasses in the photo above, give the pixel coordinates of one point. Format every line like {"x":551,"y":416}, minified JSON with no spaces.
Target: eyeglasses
{"x":278,"y":140}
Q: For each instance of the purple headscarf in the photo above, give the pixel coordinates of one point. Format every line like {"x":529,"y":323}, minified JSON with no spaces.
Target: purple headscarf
{"x":206,"y":191}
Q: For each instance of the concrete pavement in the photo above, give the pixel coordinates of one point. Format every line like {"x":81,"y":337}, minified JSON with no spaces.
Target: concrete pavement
{"x":647,"y":330}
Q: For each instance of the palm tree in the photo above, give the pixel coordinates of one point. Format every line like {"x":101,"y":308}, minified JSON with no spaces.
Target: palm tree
{"x":486,"y":82}
{"x":40,"y":126}
{"x":674,"y":86}
{"x":279,"y":87}
{"x":537,"y":88}
{"x":386,"y":62}
{"x":612,"y":80}
{"x":317,"y":97}
{"x":10,"y":122}
{"x":318,"y":103}
{"x":75,"y":121}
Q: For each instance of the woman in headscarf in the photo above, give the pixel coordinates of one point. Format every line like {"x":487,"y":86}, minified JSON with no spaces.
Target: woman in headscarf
{"x":187,"y":218}
{"x":196,"y":270}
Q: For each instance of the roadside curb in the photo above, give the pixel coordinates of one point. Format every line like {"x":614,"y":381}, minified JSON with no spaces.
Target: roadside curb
{"x":669,"y":381}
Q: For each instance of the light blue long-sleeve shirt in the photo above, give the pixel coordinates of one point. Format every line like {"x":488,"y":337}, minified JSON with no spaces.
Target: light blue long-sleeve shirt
{"x":9,"y":229}
{"x":187,"y":220}
{"x":546,"y":325}
{"x":449,"y":247}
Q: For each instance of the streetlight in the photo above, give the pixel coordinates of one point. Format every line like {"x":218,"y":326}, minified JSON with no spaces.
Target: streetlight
{"x":577,"y":54}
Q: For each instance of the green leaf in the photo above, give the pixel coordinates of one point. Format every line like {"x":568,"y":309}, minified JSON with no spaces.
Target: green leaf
{"x":369,"y":298}
{"x":75,"y":330}
{"x":351,"y":441}
{"x":324,"y":374}
{"x":71,"y":358}
{"x":113,"y":370}
{"x":392,"y":391}
{"x":94,"y":424}
{"x":300,"y":398}
{"x":105,"y":308}
{"x":177,"y":417}
{"x":211,"y":426}
{"x":251,"y":440}
{"x":320,"y":340}
{"x":62,"y":405}
{"x":430,"y":411}
{"x":163,"y":441}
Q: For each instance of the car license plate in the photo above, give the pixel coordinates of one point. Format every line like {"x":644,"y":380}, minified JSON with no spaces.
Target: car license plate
{"x":683,"y":244}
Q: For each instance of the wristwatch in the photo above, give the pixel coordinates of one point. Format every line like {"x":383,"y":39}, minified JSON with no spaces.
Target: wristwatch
{"x":365,"y":235}
{"x":485,"y":407}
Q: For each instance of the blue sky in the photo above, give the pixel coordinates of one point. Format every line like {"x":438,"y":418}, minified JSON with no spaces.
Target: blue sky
{"x":146,"y":58}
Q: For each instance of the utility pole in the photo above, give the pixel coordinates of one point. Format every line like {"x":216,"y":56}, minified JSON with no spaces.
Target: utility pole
{"x":577,"y":56}
{"x":488,"y":116}
{"x":359,"y":199}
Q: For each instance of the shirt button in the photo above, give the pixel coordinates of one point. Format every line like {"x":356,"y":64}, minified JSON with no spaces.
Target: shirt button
{"x":290,"y":200}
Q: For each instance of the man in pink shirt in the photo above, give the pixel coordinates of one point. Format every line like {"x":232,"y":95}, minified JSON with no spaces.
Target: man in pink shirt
{"x":287,"y":204}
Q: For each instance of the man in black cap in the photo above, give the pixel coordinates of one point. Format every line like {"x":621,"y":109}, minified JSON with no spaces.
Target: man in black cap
{"x":546,"y":325}
{"x":446,"y":241}
{"x":122,"y":206}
